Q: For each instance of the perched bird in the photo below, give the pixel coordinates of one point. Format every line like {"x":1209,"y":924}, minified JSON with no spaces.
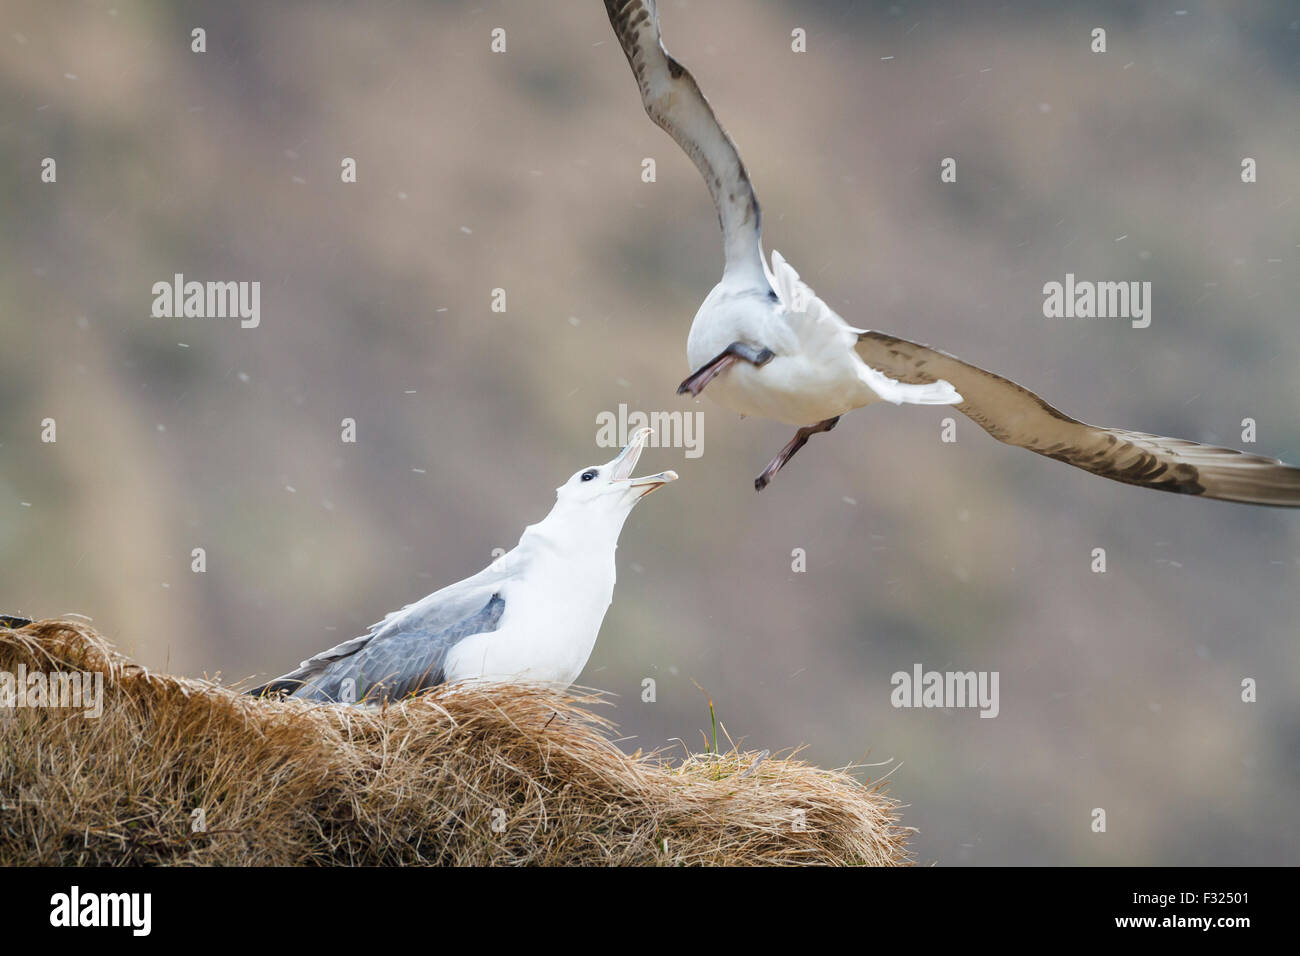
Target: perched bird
{"x":532,"y":615}
{"x":766,"y":345}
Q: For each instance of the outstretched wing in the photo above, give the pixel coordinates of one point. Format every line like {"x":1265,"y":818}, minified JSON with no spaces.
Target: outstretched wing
{"x":1017,"y":416}
{"x":674,"y":101}
{"x":405,"y":652}
{"x":824,"y":334}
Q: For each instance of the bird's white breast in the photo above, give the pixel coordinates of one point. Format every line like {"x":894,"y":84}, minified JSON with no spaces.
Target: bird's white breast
{"x":790,"y":389}
{"x":814,"y":376}
{"x":548,"y":629}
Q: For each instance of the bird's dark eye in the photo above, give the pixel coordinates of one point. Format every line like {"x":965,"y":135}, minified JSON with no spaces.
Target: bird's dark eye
{"x":589,"y":474}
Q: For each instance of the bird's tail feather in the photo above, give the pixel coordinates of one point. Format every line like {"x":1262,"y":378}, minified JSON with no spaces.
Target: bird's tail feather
{"x":286,"y":685}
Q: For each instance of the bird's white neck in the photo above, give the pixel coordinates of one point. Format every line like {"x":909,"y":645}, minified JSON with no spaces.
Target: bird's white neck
{"x":574,"y":532}
{"x":744,"y":266}
{"x":745,"y":272}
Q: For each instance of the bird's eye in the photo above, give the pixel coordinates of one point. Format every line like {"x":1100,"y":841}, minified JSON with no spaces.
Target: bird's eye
{"x":589,"y":474}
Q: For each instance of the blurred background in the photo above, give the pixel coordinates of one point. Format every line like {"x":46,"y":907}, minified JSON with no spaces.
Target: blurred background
{"x":522,"y":171}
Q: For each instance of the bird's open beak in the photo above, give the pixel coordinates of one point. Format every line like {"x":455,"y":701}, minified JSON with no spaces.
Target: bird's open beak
{"x":622,"y":465}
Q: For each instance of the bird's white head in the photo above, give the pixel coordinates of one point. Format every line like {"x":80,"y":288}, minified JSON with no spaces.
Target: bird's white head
{"x":610,"y":488}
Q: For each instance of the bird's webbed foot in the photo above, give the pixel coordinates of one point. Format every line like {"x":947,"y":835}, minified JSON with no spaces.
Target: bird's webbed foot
{"x":785,"y":454}
{"x":736,"y":351}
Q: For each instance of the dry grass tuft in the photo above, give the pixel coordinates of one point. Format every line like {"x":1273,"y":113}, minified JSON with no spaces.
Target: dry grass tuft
{"x":420,"y":782}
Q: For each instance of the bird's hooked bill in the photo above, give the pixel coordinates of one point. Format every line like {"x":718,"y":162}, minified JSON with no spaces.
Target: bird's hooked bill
{"x":621,"y":467}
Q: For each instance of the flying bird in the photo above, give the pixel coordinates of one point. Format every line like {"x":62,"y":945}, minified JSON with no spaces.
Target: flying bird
{"x":766,"y":345}
{"x":531,"y":615}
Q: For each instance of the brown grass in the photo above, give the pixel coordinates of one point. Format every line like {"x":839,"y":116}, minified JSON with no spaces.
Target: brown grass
{"x":421,"y":782}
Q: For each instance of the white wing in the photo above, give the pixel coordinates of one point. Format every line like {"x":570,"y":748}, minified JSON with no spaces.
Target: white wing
{"x":824,"y":334}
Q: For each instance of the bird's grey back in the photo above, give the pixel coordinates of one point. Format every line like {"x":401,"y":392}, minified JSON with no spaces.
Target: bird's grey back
{"x":406,"y":651}
{"x":402,"y":657}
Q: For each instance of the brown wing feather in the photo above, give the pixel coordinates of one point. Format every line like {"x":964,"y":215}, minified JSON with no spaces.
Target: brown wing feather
{"x":673,"y":100}
{"x":1016,"y":416}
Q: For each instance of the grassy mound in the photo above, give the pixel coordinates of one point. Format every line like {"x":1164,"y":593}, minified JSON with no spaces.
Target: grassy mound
{"x":183,"y":771}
